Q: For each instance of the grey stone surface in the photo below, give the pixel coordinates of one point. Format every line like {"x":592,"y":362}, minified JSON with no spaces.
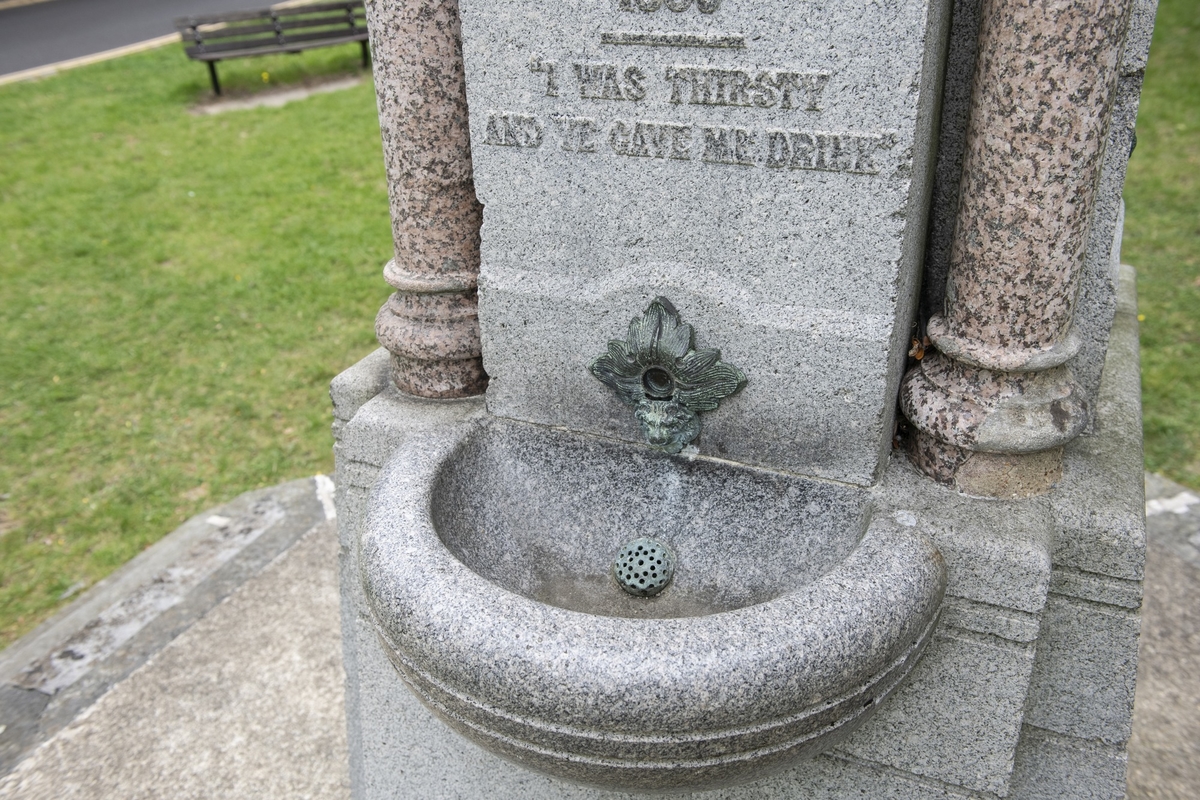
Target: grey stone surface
{"x":407,"y":750}
{"x":1105,"y":533}
{"x":932,"y":737}
{"x":1053,"y":767}
{"x":352,"y":388}
{"x":1096,"y":588}
{"x":1137,"y":41}
{"x":1083,"y":686}
{"x":381,"y":423}
{"x":961,"y":52}
{"x":1086,"y":667}
{"x":244,"y":705}
{"x":997,"y":553}
{"x":58,"y":671}
{"x":803,"y":274}
{"x":1096,"y":302}
{"x":998,"y":621}
{"x":974,"y":687}
{"x":486,"y":560}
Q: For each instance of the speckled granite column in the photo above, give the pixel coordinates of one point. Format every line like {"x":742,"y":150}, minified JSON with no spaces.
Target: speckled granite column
{"x":430,"y":324}
{"x":995,"y":404}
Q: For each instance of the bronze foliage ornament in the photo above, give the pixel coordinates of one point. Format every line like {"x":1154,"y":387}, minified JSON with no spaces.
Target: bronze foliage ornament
{"x":658,"y":371}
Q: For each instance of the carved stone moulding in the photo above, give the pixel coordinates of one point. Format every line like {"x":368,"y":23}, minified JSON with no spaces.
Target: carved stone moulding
{"x":433,"y":336}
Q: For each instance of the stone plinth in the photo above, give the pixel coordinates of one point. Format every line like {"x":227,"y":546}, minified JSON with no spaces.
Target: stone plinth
{"x":1025,"y":691}
{"x":765,"y":167}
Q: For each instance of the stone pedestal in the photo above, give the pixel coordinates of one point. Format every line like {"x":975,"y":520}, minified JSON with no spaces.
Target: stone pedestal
{"x":1026,"y":688}
{"x":1025,"y":692}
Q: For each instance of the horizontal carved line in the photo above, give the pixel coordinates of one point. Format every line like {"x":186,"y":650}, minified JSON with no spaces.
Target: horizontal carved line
{"x":735,"y":41}
{"x":1096,"y":588}
{"x":993,"y":620}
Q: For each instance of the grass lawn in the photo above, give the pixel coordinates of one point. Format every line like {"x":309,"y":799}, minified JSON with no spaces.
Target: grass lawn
{"x":1162,"y":239}
{"x":178,"y":291}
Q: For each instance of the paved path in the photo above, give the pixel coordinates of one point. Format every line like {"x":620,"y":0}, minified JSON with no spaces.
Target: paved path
{"x":245,"y":704}
{"x":48,"y":32}
{"x":1164,"y":753}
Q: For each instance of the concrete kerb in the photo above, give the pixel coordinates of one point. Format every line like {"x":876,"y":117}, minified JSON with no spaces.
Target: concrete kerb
{"x":54,"y":673}
{"x":50,"y":70}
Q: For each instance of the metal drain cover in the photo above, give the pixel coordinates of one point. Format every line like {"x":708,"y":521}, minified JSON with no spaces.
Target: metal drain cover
{"x":644,"y":567}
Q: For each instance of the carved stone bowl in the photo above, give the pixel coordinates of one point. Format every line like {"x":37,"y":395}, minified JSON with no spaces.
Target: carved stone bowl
{"x":794,"y":611}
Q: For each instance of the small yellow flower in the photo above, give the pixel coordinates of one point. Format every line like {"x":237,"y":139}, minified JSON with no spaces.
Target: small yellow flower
{"x":1141,"y":317}
{"x":266,"y":77}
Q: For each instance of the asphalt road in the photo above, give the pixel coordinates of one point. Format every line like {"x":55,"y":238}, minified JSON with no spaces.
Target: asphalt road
{"x":56,"y":30}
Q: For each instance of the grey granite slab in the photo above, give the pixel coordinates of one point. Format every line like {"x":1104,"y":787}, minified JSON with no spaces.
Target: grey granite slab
{"x":1051,"y":767}
{"x":1105,"y":533}
{"x":974,"y":687}
{"x":766,"y":167}
{"x":1083,"y":680}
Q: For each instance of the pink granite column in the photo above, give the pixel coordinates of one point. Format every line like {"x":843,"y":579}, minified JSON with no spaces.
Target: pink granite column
{"x":430,"y":324}
{"x":994,"y":406}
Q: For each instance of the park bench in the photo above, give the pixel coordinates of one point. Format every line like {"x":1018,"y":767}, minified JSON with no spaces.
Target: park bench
{"x":240,"y":34}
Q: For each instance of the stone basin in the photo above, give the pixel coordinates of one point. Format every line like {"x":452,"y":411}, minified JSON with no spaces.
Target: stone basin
{"x":795,"y":609}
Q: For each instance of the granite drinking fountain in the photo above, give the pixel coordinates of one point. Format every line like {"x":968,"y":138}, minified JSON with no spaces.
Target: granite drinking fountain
{"x":626,"y":503}
{"x":498,"y":563}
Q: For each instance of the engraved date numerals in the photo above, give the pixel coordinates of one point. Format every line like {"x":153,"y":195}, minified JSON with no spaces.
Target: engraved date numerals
{"x":678,"y":6}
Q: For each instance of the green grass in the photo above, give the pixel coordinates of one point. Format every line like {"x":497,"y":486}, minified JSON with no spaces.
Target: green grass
{"x":1162,"y":240}
{"x":177,"y":292}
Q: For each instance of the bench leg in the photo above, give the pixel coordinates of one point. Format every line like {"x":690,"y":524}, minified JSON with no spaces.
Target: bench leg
{"x":212,"y":74}
{"x":366,"y":56}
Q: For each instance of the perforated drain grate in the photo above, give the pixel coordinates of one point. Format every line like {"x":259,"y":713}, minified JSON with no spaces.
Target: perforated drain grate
{"x":644,"y":567}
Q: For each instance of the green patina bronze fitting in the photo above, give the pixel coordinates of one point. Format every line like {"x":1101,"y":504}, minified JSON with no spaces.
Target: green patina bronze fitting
{"x":644,"y":567}
{"x":658,"y":371}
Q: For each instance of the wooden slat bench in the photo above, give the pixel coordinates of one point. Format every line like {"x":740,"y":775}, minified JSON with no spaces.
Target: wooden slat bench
{"x":239,"y":34}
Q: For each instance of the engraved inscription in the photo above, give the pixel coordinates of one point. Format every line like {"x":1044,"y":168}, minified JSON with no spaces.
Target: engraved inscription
{"x":710,"y":86}
{"x":830,"y":152}
{"x":513,"y":130}
{"x":691,"y":85}
{"x":826,"y":151}
{"x":678,"y":6}
{"x":633,"y":38}
{"x":730,"y":142}
{"x":577,"y":134}
{"x":729,"y":146}
{"x":539,"y":64}
{"x":610,"y":82}
{"x":651,"y":140}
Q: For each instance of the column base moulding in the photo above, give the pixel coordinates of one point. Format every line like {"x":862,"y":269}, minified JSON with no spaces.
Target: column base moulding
{"x":434,"y":342}
{"x":991,"y":433}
